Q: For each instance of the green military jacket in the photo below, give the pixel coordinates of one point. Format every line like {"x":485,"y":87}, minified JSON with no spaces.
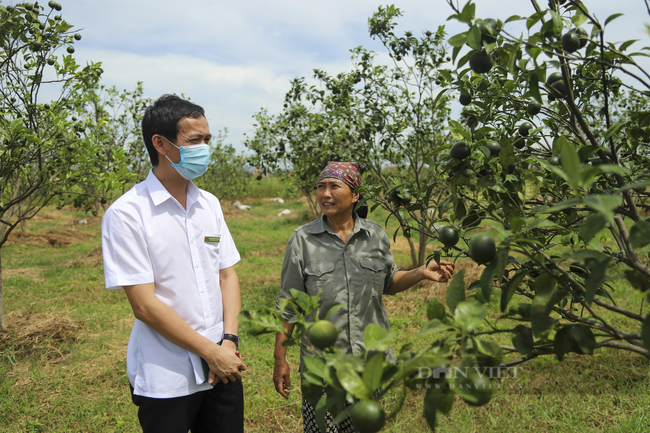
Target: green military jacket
{"x":356,"y":274}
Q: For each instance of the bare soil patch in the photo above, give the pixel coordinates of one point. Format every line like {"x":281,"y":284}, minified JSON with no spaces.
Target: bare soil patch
{"x":26,"y":273}
{"x":93,"y":259}
{"x":28,"y":332}
{"x":56,"y":239}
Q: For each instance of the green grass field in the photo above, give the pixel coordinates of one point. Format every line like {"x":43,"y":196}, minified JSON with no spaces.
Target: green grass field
{"x":62,"y":366}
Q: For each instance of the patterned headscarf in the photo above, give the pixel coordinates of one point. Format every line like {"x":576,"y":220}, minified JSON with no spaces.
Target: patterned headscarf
{"x":347,"y":172}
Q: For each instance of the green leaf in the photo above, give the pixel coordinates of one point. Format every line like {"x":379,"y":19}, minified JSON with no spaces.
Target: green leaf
{"x":507,"y":154}
{"x":377,"y":338}
{"x":514,"y":18}
{"x":596,"y":278}
{"x":540,"y":308}
{"x":456,"y":290}
{"x":625,"y":45}
{"x":571,"y":166}
{"x":533,"y":86}
{"x":534,"y":19}
{"x":582,"y":255}
{"x":520,"y":311}
{"x":605,"y":204}
{"x":531,"y":185}
{"x":584,"y":338}
{"x":352,"y":382}
{"x":469,"y":315}
{"x":314,"y":366}
{"x":614,"y":129}
{"x":321,"y":412}
{"x":640,"y":234}
{"x":433,"y":327}
{"x":522,"y":339}
{"x":373,"y":371}
{"x":612,"y":18}
{"x":557,"y":23}
{"x":563,"y":343}
{"x":575,"y":201}
{"x":491,"y":349}
{"x":430,"y":403}
{"x":559,"y":143}
{"x":642,"y":184}
{"x":487,"y":280}
{"x":333,"y":310}
{"x":436,"y":310}
{"x":637,"y":280}
{"x":593,"y":225}
{"x":579,"y":18}
{"x":509,"y":289}
{"x":467,"y":14}
{"x":474,"y":38}
{"x":302,"y":299}
{"x":502,"y":262}
{"x":458,"y":40}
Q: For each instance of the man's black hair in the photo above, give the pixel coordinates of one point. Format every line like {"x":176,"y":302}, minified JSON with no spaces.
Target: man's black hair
{"x":162,"y":117}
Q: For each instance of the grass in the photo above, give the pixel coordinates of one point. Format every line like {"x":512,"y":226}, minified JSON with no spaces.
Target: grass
{"x":78,"y":382}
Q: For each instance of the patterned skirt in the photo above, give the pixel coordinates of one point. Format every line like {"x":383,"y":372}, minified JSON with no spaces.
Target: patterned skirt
{"x":311,"y":426}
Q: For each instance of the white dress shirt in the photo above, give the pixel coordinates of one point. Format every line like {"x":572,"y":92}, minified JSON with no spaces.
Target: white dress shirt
{"x":147,"y":237}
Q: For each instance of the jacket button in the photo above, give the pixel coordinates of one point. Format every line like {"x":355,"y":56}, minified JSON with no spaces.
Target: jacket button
{"x":318,"y":274}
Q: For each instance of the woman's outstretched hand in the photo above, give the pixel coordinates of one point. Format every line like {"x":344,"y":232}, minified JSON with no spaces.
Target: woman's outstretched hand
{"x":439,"y":272}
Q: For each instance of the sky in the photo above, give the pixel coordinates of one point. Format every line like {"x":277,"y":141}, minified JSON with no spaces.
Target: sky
{"x":236,"y":57}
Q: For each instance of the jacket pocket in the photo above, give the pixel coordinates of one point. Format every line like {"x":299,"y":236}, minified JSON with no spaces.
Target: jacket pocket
{"x":320,"y":275}
{"x":374,"y":271}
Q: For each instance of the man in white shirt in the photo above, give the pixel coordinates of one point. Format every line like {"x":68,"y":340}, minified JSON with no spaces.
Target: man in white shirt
{"x":165,"y":242}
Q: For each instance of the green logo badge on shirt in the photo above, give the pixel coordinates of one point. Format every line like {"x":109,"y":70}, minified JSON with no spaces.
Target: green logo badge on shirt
{"x":214,"y":239}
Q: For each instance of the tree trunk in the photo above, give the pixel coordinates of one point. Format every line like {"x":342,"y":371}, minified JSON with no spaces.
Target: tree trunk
{"x":423,"y":246}
{"x":414,"y":256}
{"x":2,"y":297}
{"x":315,"y":209}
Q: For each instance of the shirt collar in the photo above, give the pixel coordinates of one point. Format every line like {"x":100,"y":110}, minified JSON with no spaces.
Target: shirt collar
{"x":320,"y":226}
{"x":159,"y":193}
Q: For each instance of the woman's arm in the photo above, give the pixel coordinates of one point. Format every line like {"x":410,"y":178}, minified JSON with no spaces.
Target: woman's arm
{"x":404,"y":280}
{"x":281,"y":370}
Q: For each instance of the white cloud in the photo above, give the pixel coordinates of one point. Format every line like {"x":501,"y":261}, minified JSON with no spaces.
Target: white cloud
{"x":237,"y":57}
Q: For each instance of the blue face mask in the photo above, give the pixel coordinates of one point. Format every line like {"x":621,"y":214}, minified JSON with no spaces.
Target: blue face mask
{"x":194,"y":160}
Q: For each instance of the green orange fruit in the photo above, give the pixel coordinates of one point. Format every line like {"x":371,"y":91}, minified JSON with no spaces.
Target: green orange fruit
{"x":493,"y":146}
{"x":482,"y":248}
{"x":460,"y":150}
{"x":481,"y":62}
{"x":368,"y":416}
{"x":558,"y":89}
{"x":583,"y":35}
{"x":534,"y":108}
{"x":570,"y":42}
{"x":524,"y":129}
{"x":448,"y":236}
{"x":323,"y":334}
{"x":555,"y":76}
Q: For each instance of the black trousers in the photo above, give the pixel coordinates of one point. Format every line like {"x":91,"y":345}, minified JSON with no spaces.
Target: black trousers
{"x":220,"y":409}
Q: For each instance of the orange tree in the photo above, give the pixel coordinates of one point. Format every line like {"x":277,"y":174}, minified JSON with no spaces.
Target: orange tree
{"x":552,"y":156}
{"x":44,"y":152}
{"x":391,"y":117}
{"x":227,"y":177}
{"x":296,"y":144}
{"x":111,"y":120}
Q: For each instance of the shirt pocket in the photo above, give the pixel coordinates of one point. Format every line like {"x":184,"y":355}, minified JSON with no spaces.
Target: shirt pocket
{"x":374,"y":274}
{"x":212,"y":249}
{"x":320,"y":275}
